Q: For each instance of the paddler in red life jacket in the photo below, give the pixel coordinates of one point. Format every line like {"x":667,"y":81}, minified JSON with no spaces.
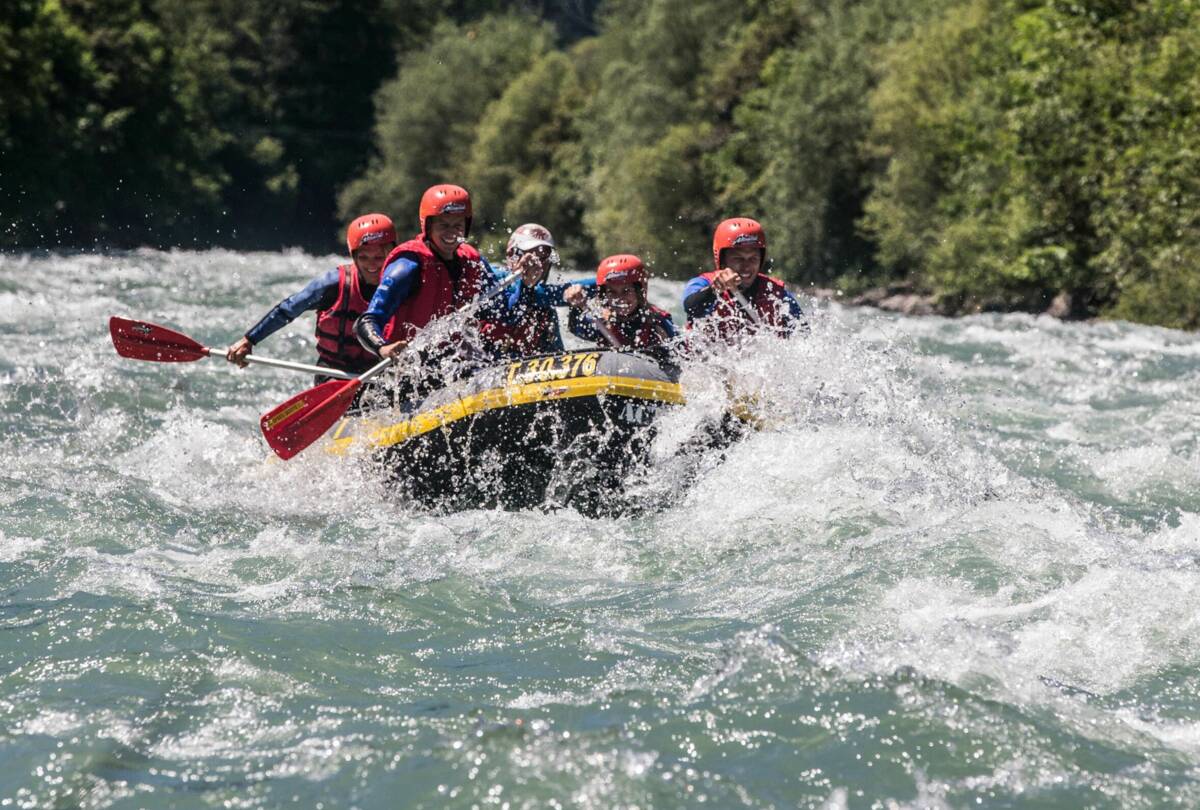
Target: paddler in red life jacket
{"x":428,"y":277}
{"x":626,"y":320}
{"x":340,"y":297}
{"x":529,"y":323}
{"x":739,"y":258}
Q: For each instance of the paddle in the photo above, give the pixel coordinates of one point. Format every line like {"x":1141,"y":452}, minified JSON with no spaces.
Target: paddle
{"x":745,"y":305}
{"x":139,"y":340}
{"x":297,"y":423}
{"x":594,"y":312}
{"x":291,"y":427}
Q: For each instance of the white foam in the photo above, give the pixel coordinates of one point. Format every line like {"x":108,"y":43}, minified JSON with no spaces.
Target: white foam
{"x":990,"y":501}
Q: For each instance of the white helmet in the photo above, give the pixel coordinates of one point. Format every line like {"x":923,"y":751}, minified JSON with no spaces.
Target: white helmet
{"x":527,"y":237}
{"x":531,"y":236}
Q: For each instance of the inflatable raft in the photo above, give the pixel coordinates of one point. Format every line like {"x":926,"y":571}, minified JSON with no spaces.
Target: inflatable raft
{"x":554,"y":430}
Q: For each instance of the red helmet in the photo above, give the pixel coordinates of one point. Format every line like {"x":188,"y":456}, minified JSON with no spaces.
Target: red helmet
{"x":445,"y":199}
{"x":369,"y":228}
{"x":624,"y":268}
{"x":737,"y":232}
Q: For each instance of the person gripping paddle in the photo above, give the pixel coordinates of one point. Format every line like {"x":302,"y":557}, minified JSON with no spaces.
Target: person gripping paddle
{"x":737,"y":296}
{"x":339,"y":296}
{"x":626,"y":320}
{"x":294,"y":425}
{"x":529,"y":323}
{"x":427,"y":277}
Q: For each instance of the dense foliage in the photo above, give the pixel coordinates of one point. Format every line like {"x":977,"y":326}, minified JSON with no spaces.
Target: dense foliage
{"x":998,"y":154}
{"x":1044,"y":149}
{"x":168,"y":122}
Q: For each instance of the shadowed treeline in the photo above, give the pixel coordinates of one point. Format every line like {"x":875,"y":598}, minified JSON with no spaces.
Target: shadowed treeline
{"x":998,"y":154}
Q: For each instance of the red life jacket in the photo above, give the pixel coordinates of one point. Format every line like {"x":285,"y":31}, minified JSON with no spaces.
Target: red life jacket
{"x":437,"y":293}
{"x":768,"y":297}
{"x":530,"y":335}
{"x":336,"y":344}
{"x":647,"y":332}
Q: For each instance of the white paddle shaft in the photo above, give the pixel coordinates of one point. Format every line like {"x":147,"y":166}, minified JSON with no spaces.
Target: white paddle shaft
{"x":749,"y":310}
{"x":288,"y":364}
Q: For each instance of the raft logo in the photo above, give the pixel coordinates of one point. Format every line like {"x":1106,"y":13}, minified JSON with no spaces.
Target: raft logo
{"x":636,"y":414}
{"x":621,"y":277}
{"x":142,"y":329}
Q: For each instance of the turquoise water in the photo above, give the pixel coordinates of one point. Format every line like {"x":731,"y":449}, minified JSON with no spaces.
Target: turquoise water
{"x":958,"y":567}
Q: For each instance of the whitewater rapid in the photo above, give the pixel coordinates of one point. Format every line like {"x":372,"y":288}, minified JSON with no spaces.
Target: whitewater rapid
{"x":959,"y":565}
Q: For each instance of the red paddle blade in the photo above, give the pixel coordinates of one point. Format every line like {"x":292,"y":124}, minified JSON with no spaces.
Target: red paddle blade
{"x":147,"y":341}
{"x":304,"y":418}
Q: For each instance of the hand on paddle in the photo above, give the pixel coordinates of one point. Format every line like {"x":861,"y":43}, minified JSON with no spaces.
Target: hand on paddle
{"x":602,"y":317}
{"x":236,"y":353}
{"x":726,"y":281}
{"x":730,"y":281}
{"x":575,"y":297}
{"x":392,"y":349}
{"x":532,"y":267}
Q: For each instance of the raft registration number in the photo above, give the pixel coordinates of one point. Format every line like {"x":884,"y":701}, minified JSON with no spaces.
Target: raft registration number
{"x":559,"y":367}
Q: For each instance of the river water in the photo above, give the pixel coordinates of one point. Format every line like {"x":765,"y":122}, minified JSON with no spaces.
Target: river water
{"x":958,"y":566}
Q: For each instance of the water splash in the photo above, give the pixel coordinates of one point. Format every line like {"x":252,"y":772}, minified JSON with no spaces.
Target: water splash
{"x":957,"y":563}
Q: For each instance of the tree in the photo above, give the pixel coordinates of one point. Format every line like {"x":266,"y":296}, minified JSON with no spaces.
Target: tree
{"x":97,"y":143}
{"x":526,"y":163}
{"x":1149,"y":221}
{"x":811,"y":119}
{"x":429,"y":113}
{"x":126,"y":122}
{"x":1038,"y":150}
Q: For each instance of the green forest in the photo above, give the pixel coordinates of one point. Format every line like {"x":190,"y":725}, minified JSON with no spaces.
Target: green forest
{"x":995,"y":154}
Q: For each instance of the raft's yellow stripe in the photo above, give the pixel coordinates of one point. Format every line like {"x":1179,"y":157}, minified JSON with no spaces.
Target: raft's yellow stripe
{"x":524,"y":394}
{"x":342,"y":427}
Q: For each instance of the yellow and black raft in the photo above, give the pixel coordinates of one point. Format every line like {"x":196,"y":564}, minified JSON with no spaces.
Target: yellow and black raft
{"x":555,"y":430}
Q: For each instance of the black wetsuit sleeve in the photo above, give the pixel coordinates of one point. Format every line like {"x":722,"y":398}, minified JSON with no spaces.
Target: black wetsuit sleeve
{"x":554,"y":341}
{"x":369,"y":333}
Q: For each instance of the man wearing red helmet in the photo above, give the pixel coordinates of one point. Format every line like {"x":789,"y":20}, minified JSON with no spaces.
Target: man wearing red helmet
{"x":529,"y":324}
{"x":429,"y":276}
{"x":340,"y":297}
{"x":719,"y":299}
{"x":627,"y":320}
